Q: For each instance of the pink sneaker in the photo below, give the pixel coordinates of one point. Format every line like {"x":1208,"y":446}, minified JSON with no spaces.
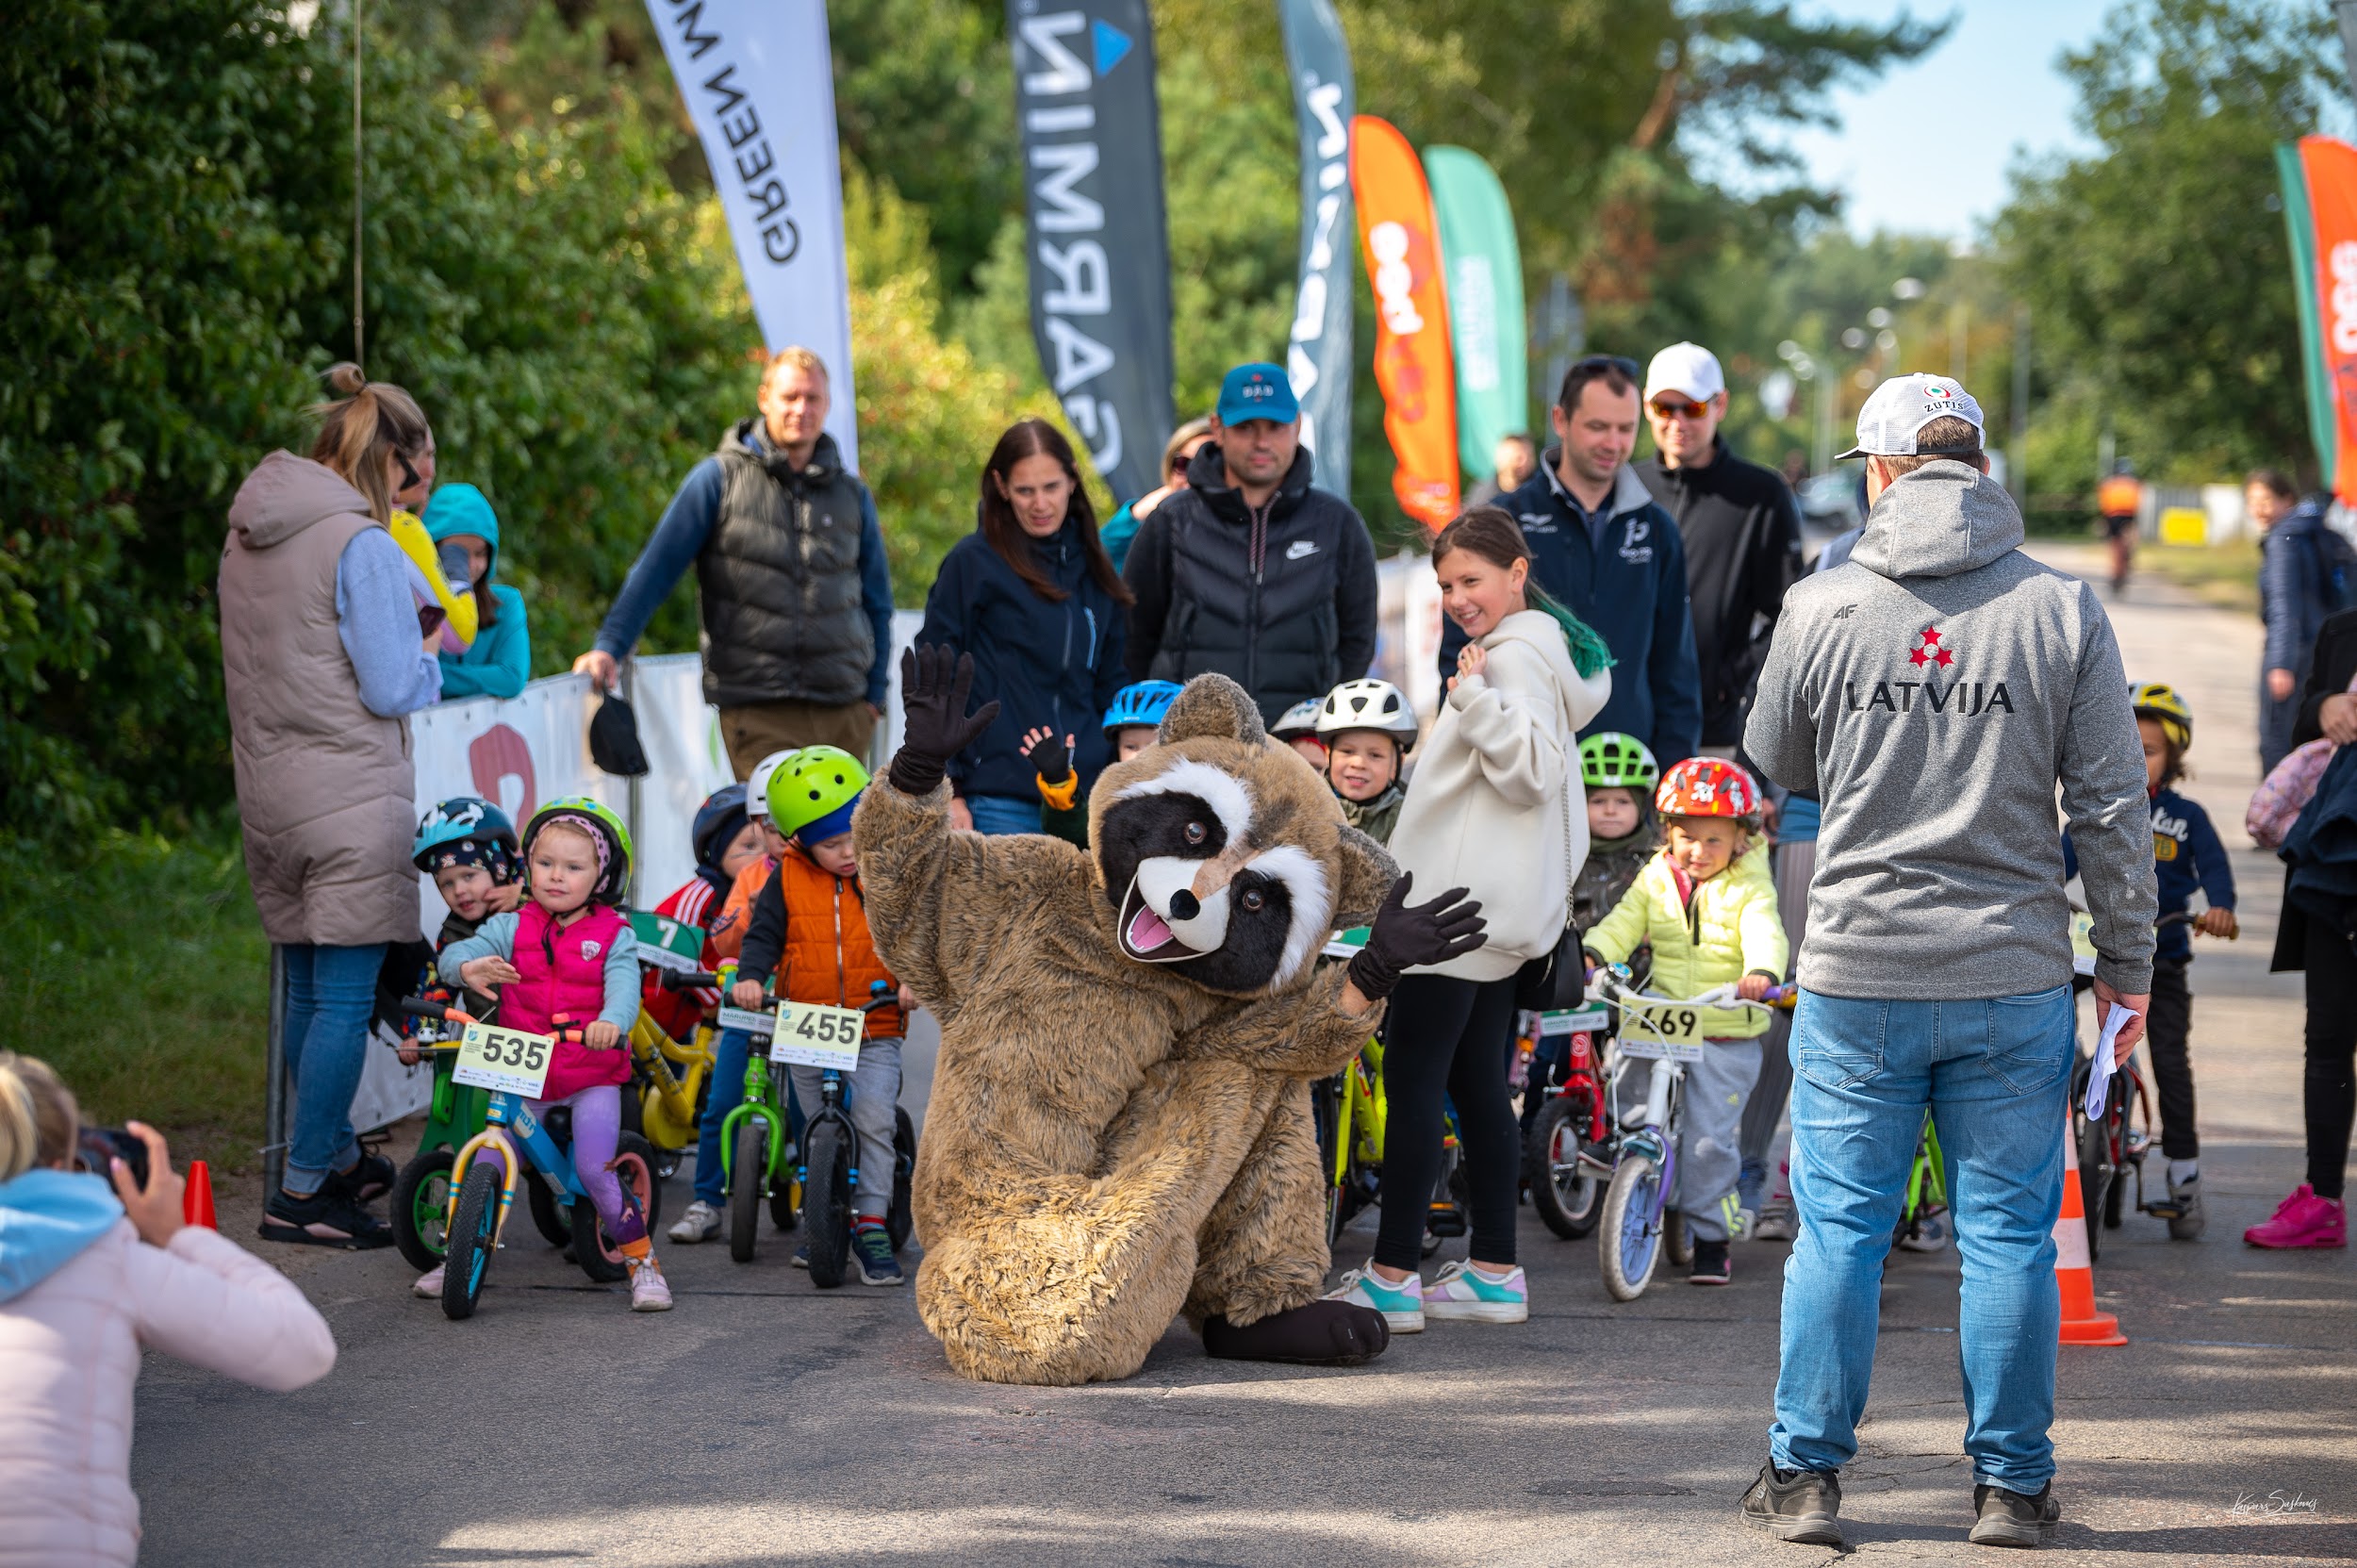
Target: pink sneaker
{"x":2302,"y":1219}
{"x":649,"y":1292}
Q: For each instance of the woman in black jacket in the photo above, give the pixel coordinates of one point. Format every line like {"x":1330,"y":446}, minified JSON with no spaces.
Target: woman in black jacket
{"x":1032,"y":596}
{"x":2320,"y":945}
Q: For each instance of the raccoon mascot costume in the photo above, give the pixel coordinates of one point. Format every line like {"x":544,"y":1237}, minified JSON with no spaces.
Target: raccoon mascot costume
{"x":1119,"y":1130}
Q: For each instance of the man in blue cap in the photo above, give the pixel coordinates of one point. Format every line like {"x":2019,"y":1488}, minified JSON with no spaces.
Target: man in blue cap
{"x":1249,"y":570}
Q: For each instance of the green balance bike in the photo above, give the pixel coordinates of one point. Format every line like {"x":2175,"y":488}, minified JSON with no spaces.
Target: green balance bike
{"x":420,"y":1205}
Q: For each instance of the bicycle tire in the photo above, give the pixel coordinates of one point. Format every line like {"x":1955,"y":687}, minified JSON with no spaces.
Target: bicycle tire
{"x":1677,"y":1238}
{"x":2096,"y":1174}
{"x":1628,"y":1246}
{"x":420,"y":1208}
{"x":900,"y":1217}
{"x":785,"y":1196}
{"x":749,"y":1179}
{"x":474,"y":1237}
{"x":827,"y":1202}
{"x":547,"y":1215}
{"x":594,"y":1248}
{"x":1565,"y":1192}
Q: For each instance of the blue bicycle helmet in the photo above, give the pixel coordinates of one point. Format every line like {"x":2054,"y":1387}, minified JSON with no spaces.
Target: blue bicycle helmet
{"x":461,"y":819}
{"x":1140,"y":702}
{"x":718,"y":820}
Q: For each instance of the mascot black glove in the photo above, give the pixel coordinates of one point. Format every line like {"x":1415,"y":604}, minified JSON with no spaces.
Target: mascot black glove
{"x":1403,"y":939}
{"x":934,"y":684}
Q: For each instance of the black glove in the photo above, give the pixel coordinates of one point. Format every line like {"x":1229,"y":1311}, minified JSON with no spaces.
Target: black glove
{"x":1403,"y":939}
{"x":934,"y":684}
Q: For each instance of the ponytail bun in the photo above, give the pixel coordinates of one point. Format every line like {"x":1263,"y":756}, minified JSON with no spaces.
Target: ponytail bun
{"x":345,"y":379}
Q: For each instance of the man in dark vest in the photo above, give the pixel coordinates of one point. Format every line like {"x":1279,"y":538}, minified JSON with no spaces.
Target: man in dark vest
{"x":790,"y":569}
{"x":1249,"y":570}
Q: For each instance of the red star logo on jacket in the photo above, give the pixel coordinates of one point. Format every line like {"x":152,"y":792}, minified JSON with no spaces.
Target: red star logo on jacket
{"x":1928,"y":650}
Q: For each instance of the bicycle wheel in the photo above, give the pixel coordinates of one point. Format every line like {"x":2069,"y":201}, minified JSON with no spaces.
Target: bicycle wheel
{"x":1628,"y":1244}
{"x":748,"y":1179}
{"x":785,"y":1196}
{"x":1677,"y":1238}
{"x":547,"y":1215}
{"x":593,"y":1246}
{"x":1563,"y":1189}
{"x":473,"y":1235}
{"x":419,"y":1210}
{"x":2096,"y":1173}
{"x":827,"y":1202}
{"x":900,"y":1220}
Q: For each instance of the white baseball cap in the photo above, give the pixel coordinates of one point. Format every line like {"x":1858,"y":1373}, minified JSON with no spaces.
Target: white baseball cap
{"x":1687,"y":368}
{"x":1904,"y":404}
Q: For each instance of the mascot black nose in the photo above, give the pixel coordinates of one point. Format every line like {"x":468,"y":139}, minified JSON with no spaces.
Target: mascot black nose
{"x":1183,"y":905}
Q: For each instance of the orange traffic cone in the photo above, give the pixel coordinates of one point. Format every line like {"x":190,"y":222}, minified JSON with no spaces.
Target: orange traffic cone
{"x":196,"y":1203}
{"x":2074,"y":1275}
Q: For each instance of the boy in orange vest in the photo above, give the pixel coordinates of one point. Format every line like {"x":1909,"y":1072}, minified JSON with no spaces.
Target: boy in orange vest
{"x":809,"y":927}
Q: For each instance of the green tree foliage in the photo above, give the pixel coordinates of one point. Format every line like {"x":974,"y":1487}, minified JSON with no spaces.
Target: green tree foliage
{"x":2155,"y":266}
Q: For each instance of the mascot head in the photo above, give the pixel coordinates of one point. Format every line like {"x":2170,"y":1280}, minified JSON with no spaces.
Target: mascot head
{"x":1222,"y":854}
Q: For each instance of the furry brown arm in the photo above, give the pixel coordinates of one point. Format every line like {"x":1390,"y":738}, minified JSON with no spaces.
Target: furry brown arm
{"x":913,"y":871}
{"x":1304,"y":1033}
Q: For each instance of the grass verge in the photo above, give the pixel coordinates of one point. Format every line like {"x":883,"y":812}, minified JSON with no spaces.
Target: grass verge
{"x":2223,"y":574}
{"x":141,"y":974}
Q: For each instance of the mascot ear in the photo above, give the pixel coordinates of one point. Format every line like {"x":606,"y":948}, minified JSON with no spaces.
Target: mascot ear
{"x":1216,"y":706}
{"x":1368,"y":872}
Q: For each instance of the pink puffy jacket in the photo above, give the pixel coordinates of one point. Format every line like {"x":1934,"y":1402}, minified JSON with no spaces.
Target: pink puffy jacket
{"x":70,"y":1352}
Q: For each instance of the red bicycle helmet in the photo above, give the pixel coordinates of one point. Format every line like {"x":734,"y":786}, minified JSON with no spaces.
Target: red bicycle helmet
{"x":1706,"y":786}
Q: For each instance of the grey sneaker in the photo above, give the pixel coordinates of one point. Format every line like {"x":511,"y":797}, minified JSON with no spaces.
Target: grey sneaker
{"x":700,"y":1224}
{"x":2182,"y":1209}
{"x":2009,"y":1519}
{"x":1777,"y":1223}
{"x":1800,"y":1505}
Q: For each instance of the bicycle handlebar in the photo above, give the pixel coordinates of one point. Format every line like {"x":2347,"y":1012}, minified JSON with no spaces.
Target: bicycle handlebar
{"x":688,"y":980}
{"x":422,"y":1007}
{"x":1613,"y":993}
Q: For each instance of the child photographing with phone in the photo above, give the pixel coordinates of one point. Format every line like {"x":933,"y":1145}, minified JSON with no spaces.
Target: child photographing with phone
{"x":567,"y":959}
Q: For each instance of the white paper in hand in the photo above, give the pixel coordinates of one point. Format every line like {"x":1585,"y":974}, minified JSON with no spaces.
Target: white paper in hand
{"x":2099,"y":1079}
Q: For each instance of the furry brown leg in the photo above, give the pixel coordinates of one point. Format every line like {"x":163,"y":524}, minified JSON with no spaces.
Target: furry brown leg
{"x":1263,"y":1249}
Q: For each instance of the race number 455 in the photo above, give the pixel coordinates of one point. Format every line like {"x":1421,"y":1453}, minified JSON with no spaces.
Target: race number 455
{"x":505,"y":1058}
{"x":812,"y":1036}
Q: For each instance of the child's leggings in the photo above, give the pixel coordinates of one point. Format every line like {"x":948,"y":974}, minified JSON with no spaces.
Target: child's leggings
{"x":597,"y":1135}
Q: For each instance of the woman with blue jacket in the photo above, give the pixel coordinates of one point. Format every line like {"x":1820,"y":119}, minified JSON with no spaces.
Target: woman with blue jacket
{"x":1032,"y":596}
{"x":499,"y":661}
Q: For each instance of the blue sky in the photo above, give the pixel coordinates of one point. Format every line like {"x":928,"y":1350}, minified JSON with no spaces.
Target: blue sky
{"x":1989,"y":91}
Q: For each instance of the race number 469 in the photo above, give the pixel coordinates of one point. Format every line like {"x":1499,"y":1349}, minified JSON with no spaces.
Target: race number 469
{"x":812,"y":1036}
{"x":505,"y":1058}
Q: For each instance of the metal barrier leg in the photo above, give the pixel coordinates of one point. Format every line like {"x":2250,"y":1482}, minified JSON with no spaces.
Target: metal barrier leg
{"x":274,"y":1077}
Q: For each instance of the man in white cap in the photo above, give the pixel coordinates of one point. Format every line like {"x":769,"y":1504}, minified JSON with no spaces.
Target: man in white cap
{"x":1932,"y":692}
{"x":1742,"y":528}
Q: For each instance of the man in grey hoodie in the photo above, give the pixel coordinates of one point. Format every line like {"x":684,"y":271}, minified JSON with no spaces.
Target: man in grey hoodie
{"x":1932,"y":692}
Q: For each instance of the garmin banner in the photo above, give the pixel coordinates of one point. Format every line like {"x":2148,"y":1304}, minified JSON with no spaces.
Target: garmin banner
{"x":1099,"y":247}
{"x":1317,"y":349}
{"x":759,"y":83}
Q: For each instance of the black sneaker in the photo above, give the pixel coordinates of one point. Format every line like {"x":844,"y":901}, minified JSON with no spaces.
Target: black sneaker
{"x":1711,"y":1265}
{"x":1801,"y":1506}
{"x":370,"y":1178}
{"x":2010,"y":1519}
{"x":326,"y":1218}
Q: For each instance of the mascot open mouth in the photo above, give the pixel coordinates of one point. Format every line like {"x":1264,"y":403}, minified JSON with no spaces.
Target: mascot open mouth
{"x":1146,"y":935}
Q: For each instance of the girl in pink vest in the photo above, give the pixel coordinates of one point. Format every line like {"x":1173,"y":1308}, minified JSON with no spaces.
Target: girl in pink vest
{"x":564,"y":959}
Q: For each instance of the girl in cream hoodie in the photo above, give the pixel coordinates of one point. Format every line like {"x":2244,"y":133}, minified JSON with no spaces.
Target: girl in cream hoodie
{"x":1494,"y":807}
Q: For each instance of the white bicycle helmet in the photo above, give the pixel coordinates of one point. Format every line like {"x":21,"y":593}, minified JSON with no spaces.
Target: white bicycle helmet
{"x":757,"y":788}
{"x":1298,"y":721}
{"x":1368,"y":704}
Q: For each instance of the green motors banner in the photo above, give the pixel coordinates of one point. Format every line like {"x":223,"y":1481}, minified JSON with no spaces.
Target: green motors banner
{"x":1484,"y":267}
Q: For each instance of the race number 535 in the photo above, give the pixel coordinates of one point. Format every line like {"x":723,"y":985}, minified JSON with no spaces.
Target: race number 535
{"x":505,"y":1058}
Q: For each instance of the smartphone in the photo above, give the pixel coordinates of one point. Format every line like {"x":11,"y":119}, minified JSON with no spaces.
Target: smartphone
{"x":98,"y":1146}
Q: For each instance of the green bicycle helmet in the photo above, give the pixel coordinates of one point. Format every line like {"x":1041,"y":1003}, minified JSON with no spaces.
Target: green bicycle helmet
{"x":814,"y":788}
{"x":1610,"y":760}
{"x":611,"y":834}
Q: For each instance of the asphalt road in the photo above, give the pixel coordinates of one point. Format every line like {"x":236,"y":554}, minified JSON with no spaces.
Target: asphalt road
{"x":765,"y":1421}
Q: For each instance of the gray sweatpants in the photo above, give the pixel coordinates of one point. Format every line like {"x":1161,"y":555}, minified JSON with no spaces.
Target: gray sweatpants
{"x":1708,"y":1159}
{"x":875,"y":1092}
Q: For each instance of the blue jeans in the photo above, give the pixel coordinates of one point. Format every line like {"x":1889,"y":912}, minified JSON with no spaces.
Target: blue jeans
{"x":1994,"y":1075}
{"x":726,"y":1092}
{"x":1003,"y":814}
{"x":330,"y":994}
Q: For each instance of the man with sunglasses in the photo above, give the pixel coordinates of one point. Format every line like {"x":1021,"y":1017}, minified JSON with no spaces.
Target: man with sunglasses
{"x":1603,"y":546}
{"x":1740,"y":525}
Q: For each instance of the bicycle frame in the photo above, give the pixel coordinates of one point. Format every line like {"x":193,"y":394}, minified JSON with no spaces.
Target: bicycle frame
{"x":503,"y":1112}
{"x":668,"y":1105}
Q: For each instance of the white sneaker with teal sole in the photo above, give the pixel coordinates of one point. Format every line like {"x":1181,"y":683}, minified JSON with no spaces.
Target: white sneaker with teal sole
{"x":1466,"y":1293}
{"x":1402,"y":1305}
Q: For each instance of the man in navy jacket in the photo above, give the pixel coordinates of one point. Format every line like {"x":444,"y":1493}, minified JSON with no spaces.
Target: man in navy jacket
{"x":1604,"y":548}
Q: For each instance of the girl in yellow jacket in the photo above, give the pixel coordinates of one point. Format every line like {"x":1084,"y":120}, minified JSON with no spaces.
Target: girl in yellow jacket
{"x":1707,"y":906}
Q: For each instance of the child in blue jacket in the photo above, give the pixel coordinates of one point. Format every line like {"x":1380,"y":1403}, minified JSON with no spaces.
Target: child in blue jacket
{"x":500,"y":661}
{"x":2186,"y":854}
